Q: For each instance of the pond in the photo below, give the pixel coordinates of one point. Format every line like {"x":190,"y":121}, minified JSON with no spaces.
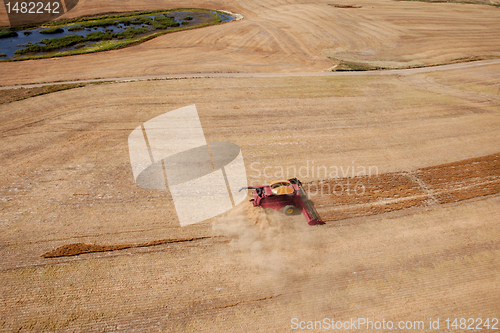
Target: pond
{"x":37,"y":41}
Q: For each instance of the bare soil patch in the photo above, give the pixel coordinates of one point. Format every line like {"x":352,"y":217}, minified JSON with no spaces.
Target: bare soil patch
{"x":80,"y":248}
{"x":345,"y":6}
{"x":446,"y":183}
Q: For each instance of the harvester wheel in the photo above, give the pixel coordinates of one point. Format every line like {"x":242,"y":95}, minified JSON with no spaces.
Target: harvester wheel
{"x":289,"y":210}
{"x":268,"y":210}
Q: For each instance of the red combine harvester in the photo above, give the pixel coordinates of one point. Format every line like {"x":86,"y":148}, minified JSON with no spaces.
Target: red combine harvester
{"x":287,"y":196}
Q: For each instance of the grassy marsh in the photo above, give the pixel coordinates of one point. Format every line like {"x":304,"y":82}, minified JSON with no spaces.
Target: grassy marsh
{"x":132,"y":28}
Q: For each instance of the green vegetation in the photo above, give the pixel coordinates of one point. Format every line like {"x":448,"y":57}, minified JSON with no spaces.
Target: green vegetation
{"x":100,"y":23}
{"x":52,"y":44}
{"x":131,"y":32}
{"x":97,"y":36}
{"x":354,"y":66}
{"x":159,"y":22}
{"x":128,"y":33}
{"x":57,"y":43}
{"x":97,"y":41}
{"x":75,"y":28}
{"x":163,"y":22}
{"x":8,"y":34}
{"x":68,"y":41}
{"x":50,"y":31}
{"x":116,"y":17}
{"x":96,"y":20}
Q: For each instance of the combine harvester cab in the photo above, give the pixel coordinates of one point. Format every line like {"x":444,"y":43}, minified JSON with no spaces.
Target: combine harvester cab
{"x":287,"y":196}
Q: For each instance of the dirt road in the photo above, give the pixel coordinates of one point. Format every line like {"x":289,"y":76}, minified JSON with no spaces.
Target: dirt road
{"x":461,"y":65}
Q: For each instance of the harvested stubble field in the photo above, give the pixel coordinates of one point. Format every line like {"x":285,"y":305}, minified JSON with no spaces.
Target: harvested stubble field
{"x":429,"y":249}
{"x":66,"y":179}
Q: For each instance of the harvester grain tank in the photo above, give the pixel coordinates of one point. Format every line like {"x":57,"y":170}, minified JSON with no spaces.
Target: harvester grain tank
{"x":286,"y":196}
